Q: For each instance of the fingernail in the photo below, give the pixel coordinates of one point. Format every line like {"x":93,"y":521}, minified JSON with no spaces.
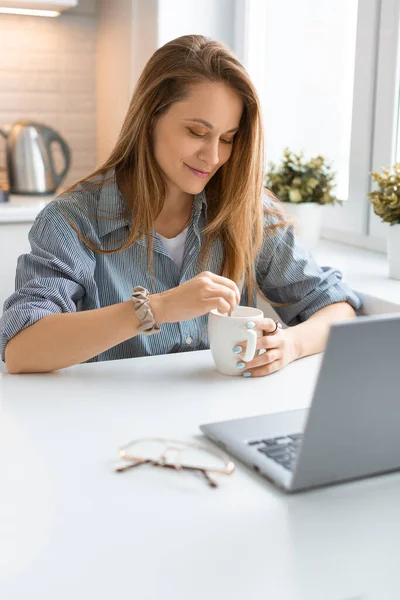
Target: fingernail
{"x":247,"y":374}
{"x":240,"y":365}
{"x":237,"y":350}
{"x":250,"y":325}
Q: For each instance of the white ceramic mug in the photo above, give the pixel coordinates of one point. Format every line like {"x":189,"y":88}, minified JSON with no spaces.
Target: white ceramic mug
{"x":224,"y":333}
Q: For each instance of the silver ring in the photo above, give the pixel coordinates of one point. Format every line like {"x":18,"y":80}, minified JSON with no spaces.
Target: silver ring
{"x":278,"y":325}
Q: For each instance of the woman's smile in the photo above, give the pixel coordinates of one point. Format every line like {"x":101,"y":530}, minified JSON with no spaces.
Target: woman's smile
{"x":201,"y":174}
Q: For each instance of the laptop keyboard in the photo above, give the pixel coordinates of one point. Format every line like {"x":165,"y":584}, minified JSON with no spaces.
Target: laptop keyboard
{"x":281,"y":449}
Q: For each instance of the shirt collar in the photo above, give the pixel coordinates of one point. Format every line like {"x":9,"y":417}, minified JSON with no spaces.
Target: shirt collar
{"x":199,"y":202}
{"x":113,"y":210}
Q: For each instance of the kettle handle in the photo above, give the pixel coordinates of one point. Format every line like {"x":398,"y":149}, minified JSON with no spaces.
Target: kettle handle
{"x":49,"y":136}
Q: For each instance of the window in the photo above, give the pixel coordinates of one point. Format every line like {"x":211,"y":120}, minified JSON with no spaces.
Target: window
{"x":327,"y":76}
{"x":305,"y":77}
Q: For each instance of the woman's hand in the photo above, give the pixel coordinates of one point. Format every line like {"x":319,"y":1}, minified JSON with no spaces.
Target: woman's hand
{"x":280,"y":349}
{"x":194,"y":298}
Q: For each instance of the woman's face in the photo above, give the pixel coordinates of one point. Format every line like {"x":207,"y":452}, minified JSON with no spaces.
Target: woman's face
{"x":182,"y":142}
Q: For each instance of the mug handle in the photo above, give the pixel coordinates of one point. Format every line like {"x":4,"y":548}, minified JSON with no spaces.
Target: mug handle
{"x":251,"y":345}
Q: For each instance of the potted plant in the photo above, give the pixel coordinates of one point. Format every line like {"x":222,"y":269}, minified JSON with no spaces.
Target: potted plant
{"x":304,"y":186}
{"x":386,"y":204}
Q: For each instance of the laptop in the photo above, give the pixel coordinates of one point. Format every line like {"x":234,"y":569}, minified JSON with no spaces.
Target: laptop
{"x":352,"y":428}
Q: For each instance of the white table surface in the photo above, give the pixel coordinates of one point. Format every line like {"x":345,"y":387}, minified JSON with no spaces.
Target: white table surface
{"x":72,"y":528}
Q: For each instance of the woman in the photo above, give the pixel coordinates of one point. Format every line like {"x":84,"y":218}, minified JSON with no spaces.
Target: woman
{"x":177,"y":214}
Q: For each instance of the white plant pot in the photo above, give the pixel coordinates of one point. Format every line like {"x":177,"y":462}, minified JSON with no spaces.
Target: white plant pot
{"x":308,"y":219}
{"x":393,"y":251}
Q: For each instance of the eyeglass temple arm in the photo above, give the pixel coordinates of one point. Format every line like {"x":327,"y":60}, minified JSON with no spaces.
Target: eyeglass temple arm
{"x":130,"y":465}
{"x":210,"y":481}
{"x":120,"y":467}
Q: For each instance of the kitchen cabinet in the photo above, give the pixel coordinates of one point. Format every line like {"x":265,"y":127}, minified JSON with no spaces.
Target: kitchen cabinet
{"x":39,"y":5}
{"x":16,"y":219}
{"x":13,"y":243}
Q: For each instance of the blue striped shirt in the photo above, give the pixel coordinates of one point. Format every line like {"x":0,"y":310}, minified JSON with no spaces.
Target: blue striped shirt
{"x":62,"y":275}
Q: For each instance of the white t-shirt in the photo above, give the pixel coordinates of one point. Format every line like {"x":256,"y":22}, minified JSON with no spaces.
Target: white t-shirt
{"x":175,"y":246}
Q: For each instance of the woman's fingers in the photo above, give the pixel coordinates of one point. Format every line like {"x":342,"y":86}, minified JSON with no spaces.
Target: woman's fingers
{"x":195,"y":297}
{"x":225,"y":282}
{"x":265,"y":369}
{"x":224,"y":292}
{"x":218,"y":303}
{"x":267,"y":342}
{"x":280,"y":350}
{"x":263,"y":359}
{"x":267,"y":325}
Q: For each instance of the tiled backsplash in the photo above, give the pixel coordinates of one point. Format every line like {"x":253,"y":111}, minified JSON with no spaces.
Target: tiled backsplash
{"x":47,"y":74}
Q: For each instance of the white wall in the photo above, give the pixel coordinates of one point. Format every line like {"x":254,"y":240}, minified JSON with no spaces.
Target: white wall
{"x":213,"y":18}
{"x":47,"y":73}
{"x":127,"y":37}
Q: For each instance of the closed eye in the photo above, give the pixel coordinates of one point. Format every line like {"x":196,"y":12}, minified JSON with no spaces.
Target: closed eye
{"x":198,"y":135}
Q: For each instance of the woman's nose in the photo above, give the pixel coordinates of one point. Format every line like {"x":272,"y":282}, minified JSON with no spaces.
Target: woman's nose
{"x":210,"y":154}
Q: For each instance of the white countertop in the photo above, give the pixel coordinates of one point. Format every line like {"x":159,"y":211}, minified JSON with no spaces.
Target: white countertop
{"x":22,"y":209}
{"x":70,"y":527}
{"x":366,"y":271}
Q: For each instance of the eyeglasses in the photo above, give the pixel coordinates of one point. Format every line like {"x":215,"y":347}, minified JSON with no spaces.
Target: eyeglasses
{"x":174,"y":454}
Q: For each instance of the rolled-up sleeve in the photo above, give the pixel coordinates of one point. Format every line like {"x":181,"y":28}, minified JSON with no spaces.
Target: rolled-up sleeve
{"x":287,"y":273}
{"x":52,"y":278}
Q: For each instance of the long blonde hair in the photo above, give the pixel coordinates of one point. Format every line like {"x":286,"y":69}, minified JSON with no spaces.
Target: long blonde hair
{"x":235,"y":210}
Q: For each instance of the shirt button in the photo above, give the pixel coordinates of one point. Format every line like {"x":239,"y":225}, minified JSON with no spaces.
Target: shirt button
{"x":189,"y":340}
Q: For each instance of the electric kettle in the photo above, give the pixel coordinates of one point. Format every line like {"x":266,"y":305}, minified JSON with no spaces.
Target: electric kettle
{"x":30,"y":158}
